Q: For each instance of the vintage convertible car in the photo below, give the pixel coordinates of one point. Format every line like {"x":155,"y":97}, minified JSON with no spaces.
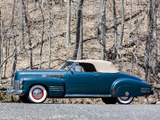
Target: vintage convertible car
{"x":79,"y":78}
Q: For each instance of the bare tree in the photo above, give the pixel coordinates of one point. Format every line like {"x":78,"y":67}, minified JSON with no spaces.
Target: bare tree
{"x":6,"y":55}
{"x":151,"y":43}
{"x":41,"y":48}
{"x":122,"y":23}
{"x":42,"y":3}
{"x":130,"y":21}
{"x":14,"y":42}
{"x":28,"y":32}
{"x":79,"y":13}
{"x":80,"y":47}
{"x":115,"y":30}
{"x":103,"y":28}
{"x":8,"y":44}
{"x":0,"y":48}
{"x":68,"y":38}
{"x":49,"y":38}
{"x":147,"y":55}
{"x":21,"y":35}
{"x":154,"y":39}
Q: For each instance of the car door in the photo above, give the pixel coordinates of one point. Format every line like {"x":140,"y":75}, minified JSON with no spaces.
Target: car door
{"x":82,"y":82}
{"x":106,"y":81}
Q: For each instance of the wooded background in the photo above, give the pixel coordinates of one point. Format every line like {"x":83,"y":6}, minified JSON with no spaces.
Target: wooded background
{"x":43,"y":34}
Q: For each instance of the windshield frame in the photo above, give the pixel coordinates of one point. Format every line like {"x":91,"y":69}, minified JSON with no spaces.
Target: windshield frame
{"x":64,"y":65}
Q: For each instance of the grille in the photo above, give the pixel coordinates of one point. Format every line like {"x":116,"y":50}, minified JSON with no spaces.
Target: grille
{"x":16,"y":85}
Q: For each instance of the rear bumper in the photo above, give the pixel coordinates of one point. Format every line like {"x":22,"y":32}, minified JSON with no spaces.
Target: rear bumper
{"x":11,"y":91}
{"x":152,"y":91}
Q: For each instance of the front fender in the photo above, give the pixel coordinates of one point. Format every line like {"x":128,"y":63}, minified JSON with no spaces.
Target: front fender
{"x":48,"y":82}
{"x":129,"y":87}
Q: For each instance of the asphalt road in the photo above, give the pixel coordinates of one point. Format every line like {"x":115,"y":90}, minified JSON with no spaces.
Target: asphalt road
{"x":15,"y":111}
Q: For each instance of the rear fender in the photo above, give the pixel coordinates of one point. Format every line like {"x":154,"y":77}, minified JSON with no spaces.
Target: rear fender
{"x":127,"y":90}
{"x":128,"y":87}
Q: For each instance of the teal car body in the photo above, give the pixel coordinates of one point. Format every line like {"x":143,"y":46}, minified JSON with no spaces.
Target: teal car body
{"x":78,"y":78}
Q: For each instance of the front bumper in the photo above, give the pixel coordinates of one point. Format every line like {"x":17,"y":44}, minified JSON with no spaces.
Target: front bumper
{"x":11,"y":91}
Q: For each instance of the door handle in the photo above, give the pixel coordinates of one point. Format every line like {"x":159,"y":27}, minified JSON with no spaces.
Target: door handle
{"x":97,"y":75}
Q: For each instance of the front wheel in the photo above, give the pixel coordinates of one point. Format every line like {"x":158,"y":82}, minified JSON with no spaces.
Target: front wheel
{"x":37,"y":94}
{"x":124,"y":100}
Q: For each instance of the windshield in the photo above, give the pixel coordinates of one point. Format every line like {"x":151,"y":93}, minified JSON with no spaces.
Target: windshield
{"x":66,"y":66}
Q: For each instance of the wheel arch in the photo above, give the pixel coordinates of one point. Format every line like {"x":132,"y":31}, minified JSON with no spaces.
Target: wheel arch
{"x":45,"y":86}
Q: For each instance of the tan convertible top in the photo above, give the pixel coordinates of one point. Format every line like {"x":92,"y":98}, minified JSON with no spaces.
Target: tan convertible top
{"x":100,"y":65}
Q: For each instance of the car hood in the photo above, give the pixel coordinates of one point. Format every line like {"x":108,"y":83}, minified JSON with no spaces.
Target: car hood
{"x":38,"y":73}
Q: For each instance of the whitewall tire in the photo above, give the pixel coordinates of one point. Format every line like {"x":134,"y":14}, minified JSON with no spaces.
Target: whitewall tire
{"x":124,"y":100}
{"x":37,"y":94}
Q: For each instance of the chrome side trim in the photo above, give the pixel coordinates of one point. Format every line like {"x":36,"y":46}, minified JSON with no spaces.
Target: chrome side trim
{"x":87,"y":95}
{"x":56,"y":88}
{"x":52,"y":75}
{"x":145,"y":90}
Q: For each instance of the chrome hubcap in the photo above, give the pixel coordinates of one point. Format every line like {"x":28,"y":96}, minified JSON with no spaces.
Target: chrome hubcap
{"x":37,"y":93}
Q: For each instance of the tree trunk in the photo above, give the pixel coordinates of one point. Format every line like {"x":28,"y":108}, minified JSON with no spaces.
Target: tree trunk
{"x":79,"y":12}
{"x":130,"y":22}
{"x":14,"y":43}
{"x":122,"y":23}
{"x":21,"y":36}
{"x":42,"y":4}
{"x":103,"y":28}
{"x":148,"y":41}
{"x":8,"y":43}
{"x":0,"y":48}
{"x":154,"y":40}
{"x":6,"y":55}
{"x":115,"y":30}
{"x":49,"y":39}
{"x":41,"y":48}
{"x":80,"y":47}
{"x":28,"y":31}
{"x":68,"y":23}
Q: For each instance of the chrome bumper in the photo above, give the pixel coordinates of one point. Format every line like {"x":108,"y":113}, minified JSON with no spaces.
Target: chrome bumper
{"x":152,"y":90}
{"x":11,"y":91}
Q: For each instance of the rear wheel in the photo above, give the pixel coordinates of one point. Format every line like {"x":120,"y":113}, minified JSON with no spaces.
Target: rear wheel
{"x":124,"y":100}
{"x":37,"y":94}
{"x":109,"y":100}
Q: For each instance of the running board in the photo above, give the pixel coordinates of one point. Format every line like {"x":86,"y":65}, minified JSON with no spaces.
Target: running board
{"x":87,"y":95}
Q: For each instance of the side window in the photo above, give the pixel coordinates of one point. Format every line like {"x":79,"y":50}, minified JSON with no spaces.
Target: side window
{"x":83,"y":67}
{"x":87,"y":67}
